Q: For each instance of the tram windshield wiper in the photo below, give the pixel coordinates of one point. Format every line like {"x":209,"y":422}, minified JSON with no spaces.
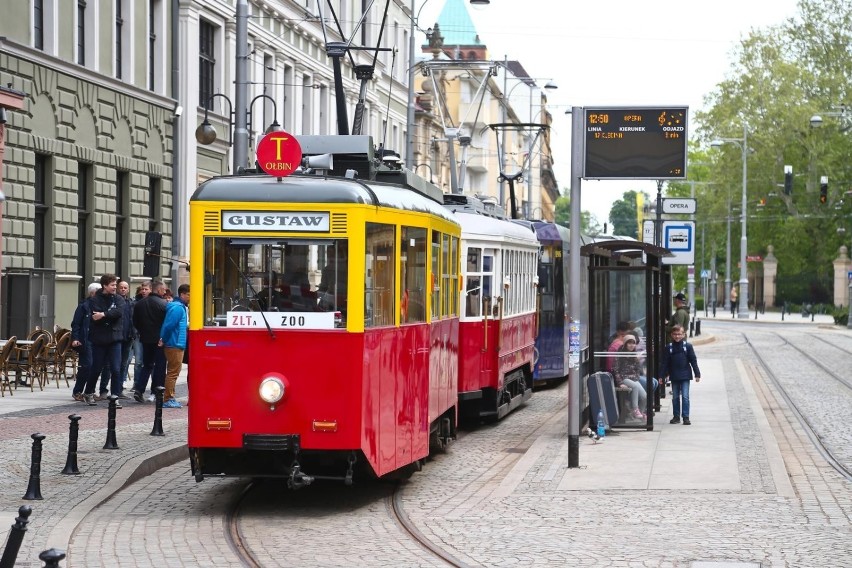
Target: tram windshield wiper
{"x":254,"y":292}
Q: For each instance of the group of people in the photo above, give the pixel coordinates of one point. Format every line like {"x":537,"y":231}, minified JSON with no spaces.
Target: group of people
{"x":109,"y":325}
{"x":678,"y":364}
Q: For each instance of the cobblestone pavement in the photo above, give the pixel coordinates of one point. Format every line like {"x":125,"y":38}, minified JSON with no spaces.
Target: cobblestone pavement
{"x":500,"y":496}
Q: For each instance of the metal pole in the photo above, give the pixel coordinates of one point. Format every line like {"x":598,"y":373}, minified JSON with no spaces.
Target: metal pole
{"x":241,"y":89}
{"x":690,"y":271}
{"x":574,"y":306}
{"x":742,"y":313}
{"x":409,"y":132}
{"x":505,"y":115}
{"x":530,"y":165}
{"x":728,"y":261}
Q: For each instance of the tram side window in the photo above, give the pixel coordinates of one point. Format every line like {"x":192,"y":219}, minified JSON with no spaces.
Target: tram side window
{"x":473,"y":291}
{"x":434,"y":282}
{"x":412,"y":268}
{"x":446,"y":288}
{"x":454,"y":276}
{"x":380,"y":260}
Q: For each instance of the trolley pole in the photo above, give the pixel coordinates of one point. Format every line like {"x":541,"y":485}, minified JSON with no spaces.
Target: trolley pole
{"x":574,"y":296}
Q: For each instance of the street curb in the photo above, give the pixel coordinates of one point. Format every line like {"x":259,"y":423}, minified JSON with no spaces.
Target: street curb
{"x":703,"y":340}
{"x":131,"y":471}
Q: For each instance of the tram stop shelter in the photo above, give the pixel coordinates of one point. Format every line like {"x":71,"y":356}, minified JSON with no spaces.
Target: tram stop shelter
{"x":629,"y":288}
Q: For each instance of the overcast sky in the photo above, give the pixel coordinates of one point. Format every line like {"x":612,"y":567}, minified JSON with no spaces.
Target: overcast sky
{"x":617,"y":52}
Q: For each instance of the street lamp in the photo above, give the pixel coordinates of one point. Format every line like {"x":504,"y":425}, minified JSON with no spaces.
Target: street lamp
{"x":206,"y":132}
{"x":409,"y":132}
{"x":742,"y":312}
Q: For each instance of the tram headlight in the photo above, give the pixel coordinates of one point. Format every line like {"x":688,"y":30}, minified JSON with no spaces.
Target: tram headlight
{"x":271,"y":390}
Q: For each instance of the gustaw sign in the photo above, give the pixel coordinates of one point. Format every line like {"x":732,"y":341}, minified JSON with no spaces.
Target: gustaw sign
{"x":300,"y":221}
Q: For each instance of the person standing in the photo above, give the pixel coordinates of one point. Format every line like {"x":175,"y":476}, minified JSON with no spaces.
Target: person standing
{"x":678,"y":364}
{"x":80,"y":341}
{"x":734,"y":301}
{"x":680,"y":316}
{"x":173,"y":341}
{"x":142,"y":291}
{"x":148,"y":316}
{"x":126,"y":341}
{"x":106,"y":331}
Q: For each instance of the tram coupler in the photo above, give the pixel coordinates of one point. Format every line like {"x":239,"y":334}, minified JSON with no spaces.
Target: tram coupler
{"x":350,"y":470}
{"x":297,"y":479}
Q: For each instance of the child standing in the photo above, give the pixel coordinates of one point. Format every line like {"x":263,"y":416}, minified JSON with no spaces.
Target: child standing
{"x":678,"y":364}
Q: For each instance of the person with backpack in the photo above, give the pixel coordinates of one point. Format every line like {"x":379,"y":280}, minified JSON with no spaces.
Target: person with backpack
{"x":680,"y":316}
{"x":678,"y":365}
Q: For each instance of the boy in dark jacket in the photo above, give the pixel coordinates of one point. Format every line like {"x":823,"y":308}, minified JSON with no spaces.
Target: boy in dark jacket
{"x":678,"y":364}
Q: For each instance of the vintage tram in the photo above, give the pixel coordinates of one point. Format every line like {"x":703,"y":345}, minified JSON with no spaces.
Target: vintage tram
{"x":326,"y":336}
{"x":498,"y":311}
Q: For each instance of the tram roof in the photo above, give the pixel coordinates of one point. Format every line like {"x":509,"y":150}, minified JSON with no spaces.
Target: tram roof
{"x":624,"y":247}
{"x":484,"y":227}
{"x":313,"y":189}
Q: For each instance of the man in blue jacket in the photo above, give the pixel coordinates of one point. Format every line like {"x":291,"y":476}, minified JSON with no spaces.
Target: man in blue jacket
{"x":106,"y":330}
{"x":678,"y":364}
{"x":173,"y":341}
{"x":80,"y":342}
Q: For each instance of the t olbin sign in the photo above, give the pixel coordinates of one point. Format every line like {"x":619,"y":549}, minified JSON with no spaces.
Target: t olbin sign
{"x":279,"y":154}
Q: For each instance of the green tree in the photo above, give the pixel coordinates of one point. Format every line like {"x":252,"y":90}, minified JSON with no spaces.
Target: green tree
{"x":622,"y":216}
{"x":562,"y":216}
{"x":780,"y":77}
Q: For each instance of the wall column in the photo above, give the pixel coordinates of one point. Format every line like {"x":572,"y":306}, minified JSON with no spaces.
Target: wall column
{"x":10,"y":101}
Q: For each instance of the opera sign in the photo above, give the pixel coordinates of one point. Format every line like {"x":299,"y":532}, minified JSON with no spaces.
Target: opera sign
{"x":279,"y":154}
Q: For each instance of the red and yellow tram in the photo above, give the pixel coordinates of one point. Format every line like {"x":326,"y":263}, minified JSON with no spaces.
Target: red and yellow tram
{"x":326,"y":338}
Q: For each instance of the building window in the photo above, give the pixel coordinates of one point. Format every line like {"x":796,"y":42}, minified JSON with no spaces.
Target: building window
{"x":81,"y":32}
{"x":42,"y":185}
{"x":84,"y":213}
{"x":38,"y":24}
{"x":153,"y":203}
{"x":206,"y":63}
{"x":122,"y":206}
{"x":119,"y":24}
{"x":152,"y":44}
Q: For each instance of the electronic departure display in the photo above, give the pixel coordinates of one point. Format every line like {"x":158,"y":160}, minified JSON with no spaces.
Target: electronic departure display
{"x":635,"y":143}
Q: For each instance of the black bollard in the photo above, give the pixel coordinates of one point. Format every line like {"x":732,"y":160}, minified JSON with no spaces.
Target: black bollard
{"x":16,"y":537}
{"x":34,"y":487}
{"x":111,"y":443}
{"x":697,"y":327}
{"x":73,"y":433}
{"x":158,"y":412}
{"x":51,"y":557}
{"x":691,"y":328}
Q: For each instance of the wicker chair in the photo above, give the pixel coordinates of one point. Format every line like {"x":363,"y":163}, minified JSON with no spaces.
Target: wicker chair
{"x":30,"y":361}
{"x":55,"y":360}
{"x":6,"y":355}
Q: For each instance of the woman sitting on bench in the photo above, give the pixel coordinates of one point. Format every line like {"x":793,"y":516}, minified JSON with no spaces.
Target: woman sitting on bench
{"x":628,"y":370}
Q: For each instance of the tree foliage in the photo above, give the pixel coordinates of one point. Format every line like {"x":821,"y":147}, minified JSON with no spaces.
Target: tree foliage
{"x":780,"y":77}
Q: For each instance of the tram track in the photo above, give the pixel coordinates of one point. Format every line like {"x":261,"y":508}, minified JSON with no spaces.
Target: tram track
{"x":811,"y":430}
{"x":234,"y":536}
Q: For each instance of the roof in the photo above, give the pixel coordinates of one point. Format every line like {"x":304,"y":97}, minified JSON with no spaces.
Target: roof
{"x":456,"y":25}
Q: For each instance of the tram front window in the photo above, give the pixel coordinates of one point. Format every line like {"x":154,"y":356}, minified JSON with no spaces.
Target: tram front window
{"x":303,"y":277}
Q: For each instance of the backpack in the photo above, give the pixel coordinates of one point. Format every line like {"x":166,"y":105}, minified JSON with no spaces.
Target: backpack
{"x":671,"y":351}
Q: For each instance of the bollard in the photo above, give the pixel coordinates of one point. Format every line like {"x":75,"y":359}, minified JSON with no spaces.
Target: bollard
{"x":51,"y":557}
{"x":34,"y":487}
{"x":158,"y":412}
{"x":698,"y":327}
{"x":755,"y":311}
{"x":812,"y":316}
{"x":111,"y":443}
{"x":16,"y":537}
{"x":691,"y":327}
{"x":73,"y":433}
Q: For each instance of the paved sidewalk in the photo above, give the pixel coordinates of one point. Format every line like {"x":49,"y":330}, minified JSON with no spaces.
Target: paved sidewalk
{"x":69,"y":498}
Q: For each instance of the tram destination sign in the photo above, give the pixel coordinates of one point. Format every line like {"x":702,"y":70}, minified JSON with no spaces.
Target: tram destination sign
{"x":635,"y":143}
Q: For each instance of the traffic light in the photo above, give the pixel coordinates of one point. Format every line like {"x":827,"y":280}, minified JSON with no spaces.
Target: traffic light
{"x":788,"y":180}
{"x":823,"y":189}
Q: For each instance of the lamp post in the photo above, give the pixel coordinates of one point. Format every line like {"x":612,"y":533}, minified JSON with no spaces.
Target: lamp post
{"x":742,"y":312}
{"x":412,"y":45}
{"x":206,"y":132}
{"x":843,"y":114}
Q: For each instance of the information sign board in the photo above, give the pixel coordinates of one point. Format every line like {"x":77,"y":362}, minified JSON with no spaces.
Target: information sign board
{"x":635,"y":143}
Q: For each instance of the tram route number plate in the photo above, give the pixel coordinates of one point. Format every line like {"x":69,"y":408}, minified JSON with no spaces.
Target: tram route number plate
{"x":281,"y":320}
